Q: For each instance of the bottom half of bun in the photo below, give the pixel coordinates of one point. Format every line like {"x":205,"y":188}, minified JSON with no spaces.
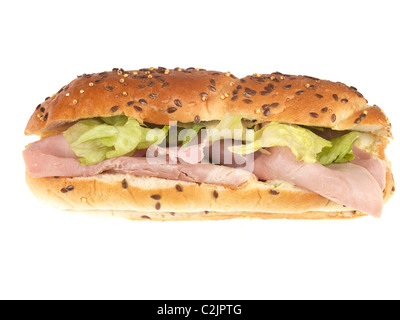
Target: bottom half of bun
{"x":147,"y":198}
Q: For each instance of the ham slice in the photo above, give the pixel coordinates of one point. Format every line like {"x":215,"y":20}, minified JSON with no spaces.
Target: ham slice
{"x":345,"y":183}
{"x":373,"y":164}
{"x":52,"y":157}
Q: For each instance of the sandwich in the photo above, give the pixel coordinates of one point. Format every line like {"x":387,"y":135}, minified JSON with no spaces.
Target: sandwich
{"x":191,"y":144}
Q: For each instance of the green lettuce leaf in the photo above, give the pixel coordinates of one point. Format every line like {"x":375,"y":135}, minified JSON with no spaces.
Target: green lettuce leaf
{"x":341,"y":149}
{"x":95,"y":140}
{"x":231,"y":127}
{"x":304,"y":143}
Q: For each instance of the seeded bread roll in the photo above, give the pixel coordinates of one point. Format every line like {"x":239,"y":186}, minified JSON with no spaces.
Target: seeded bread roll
{"x":192,"y":95}
{"x":159,"y":96}
{"x":143,"y":198}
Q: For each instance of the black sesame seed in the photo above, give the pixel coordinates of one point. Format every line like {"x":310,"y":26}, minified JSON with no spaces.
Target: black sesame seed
{"x":267,"y":111}
{"x":178,"y":103}
{"x":270,"y":87}
{"x":155,"y":197}
{"x":362,"y":116}
{"x":335,"y":96}
{"x":98,"y":81}
{"x":212,"y":88}
{"x":179,"y":188}
{"x":153,"y":95}
{"x":196,"y":119}
{"x":124,"y":184}
{"x":264,"y":93}
{"x":274,"y":105}
{"x":247,"y":95}
{"x":287,"y":87}
{"x":215,"y":194}
{"x":165,"y":84}
{"x":212,"y":81}
{"x":70,"y":188}
{"x":130,"y":103}
{"x":234,"y":98}
{"x":333,"y":117}
{"x":299,"y":92}
{"x":64,"y":190}
{"x":215,"y":74}
{"x":274,"y":192}
{"x":146,"y":217}
{"x":42,"y":110}
{"x":142,"y":101}
{"x":319,"y":95}
{"x":323,"y":110}
{"x":313,"y":114}
{"x":358,"y":120}
{"x":150,"y":84}
{"x":38,"y":107}
{"x":114,"y":109}
{"x":46,"y":116}
{"x":204,"y":94}
{"x":171,"y":110}
{"x":158,"y":206}
{"x":141,"y":86}
{"x":248,"y":101}
{"x":109,"y":88}
{"x":344,"y":100}
{"x":137,"y":108}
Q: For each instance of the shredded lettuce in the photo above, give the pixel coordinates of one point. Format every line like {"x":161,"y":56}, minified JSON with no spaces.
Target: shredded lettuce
{"x":94,"y":140}
{"x":304,"y":143}
{"x":341,"y":149}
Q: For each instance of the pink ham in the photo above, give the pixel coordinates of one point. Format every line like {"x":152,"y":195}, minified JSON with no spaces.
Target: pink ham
{"x":52,"y":157}
{"x":373,"y":164}
{"x":346,"y":183}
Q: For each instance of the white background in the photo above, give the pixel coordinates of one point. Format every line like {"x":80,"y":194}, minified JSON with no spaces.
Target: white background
{"x":45,"y":253}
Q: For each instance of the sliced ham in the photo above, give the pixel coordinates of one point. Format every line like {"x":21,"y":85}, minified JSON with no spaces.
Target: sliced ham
{"x":373,"y":164}
{"x":50,"y":157}
{"x":346,"y":183}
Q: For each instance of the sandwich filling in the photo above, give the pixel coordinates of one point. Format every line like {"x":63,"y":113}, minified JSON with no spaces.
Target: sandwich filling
{"x":338,"y":165}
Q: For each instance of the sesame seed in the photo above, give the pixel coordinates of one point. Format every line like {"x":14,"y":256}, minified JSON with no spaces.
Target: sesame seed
{"x":212,"y":88}
{"x":75,"y":101}
{"x":153,"y":95}
{"x":155,"y":197}
{"x":67,"y":94}
{"x":196,"y":119}
{"x":287,"y":87}
{"x":319,"y":96}
{"x":46,"y":116}
{"x":344,"y":100}
{"x":299,"y":92}
{"x":121,"y":80}
{"x":82,"y":91}
{"x":179,"y":188}
{"x":178,"y":103}
{"x":109,"y":88}
{"x":158,"y":206}
{"x":333,"y":117}
{"x":114,"y":109}
{"x":137,"y":108}
{"x":165,"y":84}
{"x":124,"y":184}
{"x":171,"y":110}
{"x":313,"y":114}
{"x":146,"y":217}
{"x":130,"y":103}
{"x":248,"y":101}
{"x":91,"y":84}
{"x":142,"y":101}
{"x":274,"y":192}
{"x":274,"y":105}
{"x":323,"y":110}
{"x":335,"y":96}
{"x":215,"y":194}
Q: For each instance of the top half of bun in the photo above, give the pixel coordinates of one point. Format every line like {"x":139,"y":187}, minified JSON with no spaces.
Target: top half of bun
{"x":159,"y":95}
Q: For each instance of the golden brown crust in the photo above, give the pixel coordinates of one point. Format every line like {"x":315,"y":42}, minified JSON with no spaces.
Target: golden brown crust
{"x":187,"y":95}
{"x":145,"y":197}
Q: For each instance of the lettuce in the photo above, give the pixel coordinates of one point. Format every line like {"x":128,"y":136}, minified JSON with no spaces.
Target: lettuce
{"x":341,"y":149}
{"x":94,"y":140}
{"x":304,"y":143}
{"x":231,"y":127}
